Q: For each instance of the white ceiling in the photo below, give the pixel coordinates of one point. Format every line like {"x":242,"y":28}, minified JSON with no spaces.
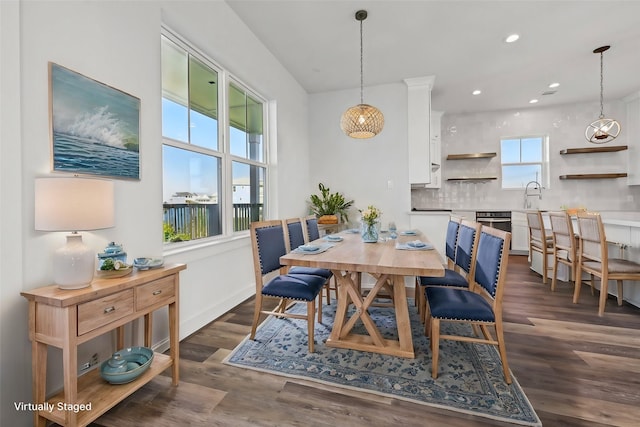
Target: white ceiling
{"x":459,"y":42}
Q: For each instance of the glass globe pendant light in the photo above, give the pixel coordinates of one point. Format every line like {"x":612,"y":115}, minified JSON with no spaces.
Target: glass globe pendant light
{"x":602,"y":130}
{"x":363,"y":120}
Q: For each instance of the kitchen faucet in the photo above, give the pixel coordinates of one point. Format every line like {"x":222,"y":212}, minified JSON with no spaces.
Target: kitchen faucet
{"x":536,"y":186}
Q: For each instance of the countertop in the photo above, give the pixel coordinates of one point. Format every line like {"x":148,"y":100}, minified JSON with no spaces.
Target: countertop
{"x":427,"y":210}
{"x":620,"y":218}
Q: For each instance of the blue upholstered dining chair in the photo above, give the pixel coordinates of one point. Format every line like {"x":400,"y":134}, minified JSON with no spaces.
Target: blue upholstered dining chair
{"x":313,"y":232}
{"x":294,"y":237}
{"x":451,"y":240}
{"x":268,"y":244}
{"x":465,"y":251}
{"x":480,"y":306}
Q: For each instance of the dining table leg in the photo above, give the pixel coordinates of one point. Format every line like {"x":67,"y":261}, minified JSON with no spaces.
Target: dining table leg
{"x":342,"y":334}
{"x":402,"y":314}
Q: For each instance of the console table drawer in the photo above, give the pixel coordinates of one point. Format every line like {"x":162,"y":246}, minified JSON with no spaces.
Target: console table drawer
{"x":154,"y":292}
{"x":93,"y":314}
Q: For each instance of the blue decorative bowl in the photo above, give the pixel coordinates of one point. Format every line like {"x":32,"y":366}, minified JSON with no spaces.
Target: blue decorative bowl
{"x":138,"y":360}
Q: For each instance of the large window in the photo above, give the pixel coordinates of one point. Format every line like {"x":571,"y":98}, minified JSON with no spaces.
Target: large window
{"x":523,"y":160}
{"x":246,"y":134}
{"x":213,"y":174}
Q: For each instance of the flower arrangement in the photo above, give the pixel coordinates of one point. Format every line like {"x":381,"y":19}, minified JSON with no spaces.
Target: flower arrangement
{"x":370,"y":215}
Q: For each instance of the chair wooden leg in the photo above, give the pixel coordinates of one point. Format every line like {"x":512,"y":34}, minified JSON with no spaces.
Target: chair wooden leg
{"x":435,"y":346}
{"x":419,"y":298}
{"x":320,"y":307}
{"x":256,"y":315}
{"x":620,"y":297}
{"x":544,"y":267}
{"x":427,"y":321}
{"x":604,"y":293}
{"x":592,"y":282}
{"x":282,"y":305}
{"x":425,"y":306}
{"x":311,"y":311}
{"x":503,"y":352}
{"x":577,"y":283}
{"x":327,"y":287}
{"x":554,"y":278}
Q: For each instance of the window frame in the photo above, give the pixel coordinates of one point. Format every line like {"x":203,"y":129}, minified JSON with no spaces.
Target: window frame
{"x":223,"y":153}
{"x":544,"y":163}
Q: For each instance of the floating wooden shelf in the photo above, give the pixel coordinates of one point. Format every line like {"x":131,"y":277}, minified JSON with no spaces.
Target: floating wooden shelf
{"x":594,"y":176}
{"x":605,"y":149}
{"x":470,"y":156}
{"x":470,"y":178}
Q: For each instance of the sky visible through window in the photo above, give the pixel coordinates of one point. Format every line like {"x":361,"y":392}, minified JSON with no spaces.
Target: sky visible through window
{"x":521,"y":160}
{"x":188,"y":171}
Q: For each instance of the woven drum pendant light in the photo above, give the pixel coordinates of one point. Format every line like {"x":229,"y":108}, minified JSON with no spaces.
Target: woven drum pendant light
{"x":602,"y":130}
{"x":363,"y":120}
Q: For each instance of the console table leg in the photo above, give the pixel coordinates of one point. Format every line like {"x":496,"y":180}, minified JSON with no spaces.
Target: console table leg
{"x":39,"y":378}
{"x":70,"y":362}
{"x":174,"y":342}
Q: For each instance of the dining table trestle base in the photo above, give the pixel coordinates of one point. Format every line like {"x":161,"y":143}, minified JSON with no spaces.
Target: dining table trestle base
{"x":389,"y":262}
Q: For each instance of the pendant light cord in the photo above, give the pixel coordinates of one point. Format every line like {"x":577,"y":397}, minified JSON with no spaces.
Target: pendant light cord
{"x":601,"y":87}
{"x":361,"y":68}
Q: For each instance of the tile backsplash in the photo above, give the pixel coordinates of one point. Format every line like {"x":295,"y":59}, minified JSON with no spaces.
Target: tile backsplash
{"x":564,"y":125}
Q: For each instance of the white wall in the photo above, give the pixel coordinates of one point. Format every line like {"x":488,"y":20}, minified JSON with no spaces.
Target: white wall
{"x":15,"y":350}
{"x":363,"y":168}
{"x":118,"y":43}
{"x":565,"y":125}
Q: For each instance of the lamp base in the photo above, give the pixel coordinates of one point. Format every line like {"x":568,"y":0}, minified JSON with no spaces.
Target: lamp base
{"x":73,"y":264}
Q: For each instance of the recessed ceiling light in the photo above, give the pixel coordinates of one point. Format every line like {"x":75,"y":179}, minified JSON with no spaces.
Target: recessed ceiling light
{"x":553,"y":85}
{"x":533,"y":101}
{"x":512,"y":38}
{"x":476,"y":92}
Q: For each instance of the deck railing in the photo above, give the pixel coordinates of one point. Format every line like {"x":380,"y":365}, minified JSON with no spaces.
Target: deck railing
{"x":198,"y":220}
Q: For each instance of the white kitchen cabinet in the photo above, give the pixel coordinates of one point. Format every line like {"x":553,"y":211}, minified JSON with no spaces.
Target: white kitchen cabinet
{"x":519,"y":233}
{"x":436,"y":151}
{"x":419,"y":129}
{"x":433,"y":225}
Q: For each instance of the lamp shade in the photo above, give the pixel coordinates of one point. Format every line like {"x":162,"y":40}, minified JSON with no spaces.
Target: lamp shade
{"x":362,"y":121}
{"x":73,"y":204}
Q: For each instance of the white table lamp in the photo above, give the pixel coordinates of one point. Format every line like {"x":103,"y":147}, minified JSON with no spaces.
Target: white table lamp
{"x":73,"y":204}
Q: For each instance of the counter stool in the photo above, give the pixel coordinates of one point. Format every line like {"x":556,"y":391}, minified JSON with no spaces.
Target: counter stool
{"x":594,"y":260}
{"x":539,"y":241}
{"x":564,"y":245}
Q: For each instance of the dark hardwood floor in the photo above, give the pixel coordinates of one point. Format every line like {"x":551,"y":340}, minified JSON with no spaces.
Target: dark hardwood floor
{"x":577,"y":369}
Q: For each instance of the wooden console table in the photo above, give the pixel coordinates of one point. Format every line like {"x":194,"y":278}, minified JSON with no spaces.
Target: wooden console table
{"x":68,"y":318}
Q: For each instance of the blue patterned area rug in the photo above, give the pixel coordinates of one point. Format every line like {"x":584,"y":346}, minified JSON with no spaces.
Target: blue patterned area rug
{"x":470,"y":378}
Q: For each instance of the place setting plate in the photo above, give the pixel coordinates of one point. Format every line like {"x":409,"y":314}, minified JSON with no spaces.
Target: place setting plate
{"x":312,"y":249}
{"x":415,"y":245}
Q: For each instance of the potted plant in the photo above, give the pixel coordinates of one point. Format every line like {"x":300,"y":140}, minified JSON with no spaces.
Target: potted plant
{"x":328,"y":206}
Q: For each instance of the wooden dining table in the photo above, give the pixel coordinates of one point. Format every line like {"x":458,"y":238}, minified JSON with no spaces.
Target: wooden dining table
{"x":348,"y":260}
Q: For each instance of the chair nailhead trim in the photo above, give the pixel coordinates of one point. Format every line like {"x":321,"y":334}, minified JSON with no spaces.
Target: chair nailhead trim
{"x":280,"y":296}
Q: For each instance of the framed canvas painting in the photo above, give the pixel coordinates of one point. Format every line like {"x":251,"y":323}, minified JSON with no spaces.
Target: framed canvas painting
{"x":95,"y":129}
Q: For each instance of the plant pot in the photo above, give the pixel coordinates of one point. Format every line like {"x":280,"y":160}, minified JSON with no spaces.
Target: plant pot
{"x":328,"y":219}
